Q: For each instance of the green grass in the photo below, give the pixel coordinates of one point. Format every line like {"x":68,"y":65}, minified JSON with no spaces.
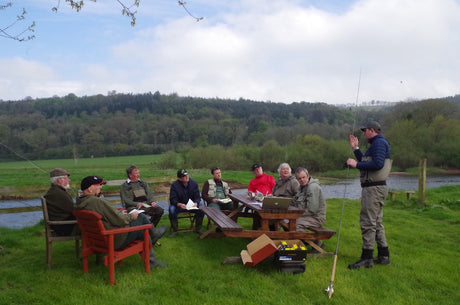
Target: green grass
{"x":424,"y":254}
{"x":31,"y":179}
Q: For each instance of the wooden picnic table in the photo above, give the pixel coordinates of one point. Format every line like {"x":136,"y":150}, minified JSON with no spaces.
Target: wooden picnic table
{"x":243,"y":206}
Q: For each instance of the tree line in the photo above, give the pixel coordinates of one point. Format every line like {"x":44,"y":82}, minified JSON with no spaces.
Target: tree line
{"x":233,"y":133}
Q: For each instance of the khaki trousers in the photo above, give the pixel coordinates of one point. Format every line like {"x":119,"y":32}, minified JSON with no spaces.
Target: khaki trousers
{"x":372,"y":230}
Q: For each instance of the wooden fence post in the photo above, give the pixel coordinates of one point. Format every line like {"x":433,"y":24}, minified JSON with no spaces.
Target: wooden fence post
{"x":422,"y":182}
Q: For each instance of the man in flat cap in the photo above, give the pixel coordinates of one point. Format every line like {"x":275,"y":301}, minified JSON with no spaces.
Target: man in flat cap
{"x":374,"y":167}
{"x":114,"y":219}
{"x":182,"y":192}
{"x":59,"y":202}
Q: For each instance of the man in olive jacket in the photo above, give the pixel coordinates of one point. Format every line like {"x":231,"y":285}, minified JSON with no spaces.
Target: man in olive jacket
{"x":114,"y":219}
{"x":136,"y":193}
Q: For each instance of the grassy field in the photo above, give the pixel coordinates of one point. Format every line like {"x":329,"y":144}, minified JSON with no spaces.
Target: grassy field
{"x":424,"y":245}
{"x":31,"y":179}
{"x":25,"y":179}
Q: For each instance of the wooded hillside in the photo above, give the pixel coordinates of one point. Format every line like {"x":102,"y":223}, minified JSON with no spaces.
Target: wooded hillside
{"x":125,"y":124}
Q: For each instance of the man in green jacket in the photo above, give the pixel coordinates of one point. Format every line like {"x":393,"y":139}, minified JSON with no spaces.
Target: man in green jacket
{"x":136,"y":194}
{"x":114,"y":219}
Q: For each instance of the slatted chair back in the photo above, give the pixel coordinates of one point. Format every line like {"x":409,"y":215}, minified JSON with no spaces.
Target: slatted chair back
{"x":96,"y":239}
{"x":51,"y":236}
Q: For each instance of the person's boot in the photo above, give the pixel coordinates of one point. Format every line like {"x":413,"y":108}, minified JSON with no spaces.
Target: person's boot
{"x":174,"y":228}
{"x":383,"y":257}
{"x":154,"y":262}
{"x":198,"y":224}
{"x":366,"y":260}
{"x":156,"y":234}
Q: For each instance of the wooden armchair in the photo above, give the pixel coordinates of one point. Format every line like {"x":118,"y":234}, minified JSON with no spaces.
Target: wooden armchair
{"x":96,"y":239}
{"x":51,"y":236}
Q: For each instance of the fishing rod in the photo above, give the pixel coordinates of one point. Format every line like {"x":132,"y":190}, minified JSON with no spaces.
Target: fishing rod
{"x":330,"y":289}
{"x":72,"y":191}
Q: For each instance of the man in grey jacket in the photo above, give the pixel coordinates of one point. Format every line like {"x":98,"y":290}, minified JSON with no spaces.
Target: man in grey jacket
{"x":309,"y":197}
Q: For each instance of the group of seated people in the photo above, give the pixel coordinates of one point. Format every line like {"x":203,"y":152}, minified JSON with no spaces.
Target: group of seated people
{"x":184,"y":196}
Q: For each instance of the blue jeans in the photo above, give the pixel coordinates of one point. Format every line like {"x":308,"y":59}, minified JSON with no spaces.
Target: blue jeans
{"x":174,"y":210}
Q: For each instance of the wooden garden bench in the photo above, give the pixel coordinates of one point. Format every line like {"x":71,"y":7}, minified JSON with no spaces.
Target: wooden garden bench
{"x":393,"y":193}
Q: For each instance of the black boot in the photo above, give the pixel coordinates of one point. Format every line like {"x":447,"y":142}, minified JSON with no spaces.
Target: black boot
{"x":174,"y":228}
{"x":154,"y":262}
{"x":156,"y":234}
{"x":383,"y":257}
{"x":366,"y":260}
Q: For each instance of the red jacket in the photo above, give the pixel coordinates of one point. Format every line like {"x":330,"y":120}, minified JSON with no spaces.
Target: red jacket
{"x":264,"y":184}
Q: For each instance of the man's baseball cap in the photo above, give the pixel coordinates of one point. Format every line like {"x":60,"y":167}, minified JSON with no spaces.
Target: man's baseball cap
{"x":181,"y":173}
{"x":254,"y":166}
{"x":371,"y":125}
{"x":91,"y":180}
{"x":58,"y":172}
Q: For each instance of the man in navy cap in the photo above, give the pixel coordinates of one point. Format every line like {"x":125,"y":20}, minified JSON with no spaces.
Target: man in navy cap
{"x":374,"y":167}
{"x":184,"y":196}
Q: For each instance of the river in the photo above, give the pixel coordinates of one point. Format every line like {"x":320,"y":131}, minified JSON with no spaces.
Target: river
{"x":350,"y":189}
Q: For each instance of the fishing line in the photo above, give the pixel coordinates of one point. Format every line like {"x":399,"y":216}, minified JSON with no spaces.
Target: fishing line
{"x":22,"y":157}
{"x":330,"y":289}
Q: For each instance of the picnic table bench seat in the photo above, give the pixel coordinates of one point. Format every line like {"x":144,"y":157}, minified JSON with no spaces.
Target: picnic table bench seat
{"x":224,"y":222}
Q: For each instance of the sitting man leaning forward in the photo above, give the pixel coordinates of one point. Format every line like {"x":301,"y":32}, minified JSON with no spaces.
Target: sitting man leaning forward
{"x":114,"y":219}
{"x":309,"y":197}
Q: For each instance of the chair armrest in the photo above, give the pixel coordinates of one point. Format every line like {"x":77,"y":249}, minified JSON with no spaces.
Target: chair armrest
{"x":62,"y":222}
{"x":126,"y":230}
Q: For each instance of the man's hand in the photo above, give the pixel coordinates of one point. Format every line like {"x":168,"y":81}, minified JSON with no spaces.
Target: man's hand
{"x":354,"y":142}
{"x":181,"y":205}
{"x":135,"y":214}
{"x":139,"y":206}
{"x":352,"y":162}
{"x":153,"y":204}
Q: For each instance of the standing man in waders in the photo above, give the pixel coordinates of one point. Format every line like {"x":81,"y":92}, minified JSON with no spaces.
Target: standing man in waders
{"x":374,"y":167}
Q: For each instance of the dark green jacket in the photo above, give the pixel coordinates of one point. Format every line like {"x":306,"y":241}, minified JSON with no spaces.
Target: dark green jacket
{"x":60,"y":203}
{"x":111,"y":217}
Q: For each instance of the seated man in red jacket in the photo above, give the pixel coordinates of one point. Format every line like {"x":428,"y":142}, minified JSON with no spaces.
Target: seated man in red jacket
{"x":262,"y":183}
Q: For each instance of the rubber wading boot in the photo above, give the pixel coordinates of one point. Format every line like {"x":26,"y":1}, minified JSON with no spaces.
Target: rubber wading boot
{"x":154,"y":262}
{"x":198,"y":225}
{"x":174,"y":228}
{"x":157,"y":233}
{"x":366,"y":260}
{"x":383,"y":257}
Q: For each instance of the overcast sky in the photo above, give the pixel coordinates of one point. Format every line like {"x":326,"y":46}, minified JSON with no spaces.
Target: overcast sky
{"x":264,"y":50}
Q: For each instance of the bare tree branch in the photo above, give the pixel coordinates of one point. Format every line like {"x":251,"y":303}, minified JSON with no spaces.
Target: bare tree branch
{"x":181,"y":3}
{"x":6,"y":31}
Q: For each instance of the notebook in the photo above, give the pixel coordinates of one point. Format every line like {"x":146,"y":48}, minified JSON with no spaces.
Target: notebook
{"x":280,"y":203}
